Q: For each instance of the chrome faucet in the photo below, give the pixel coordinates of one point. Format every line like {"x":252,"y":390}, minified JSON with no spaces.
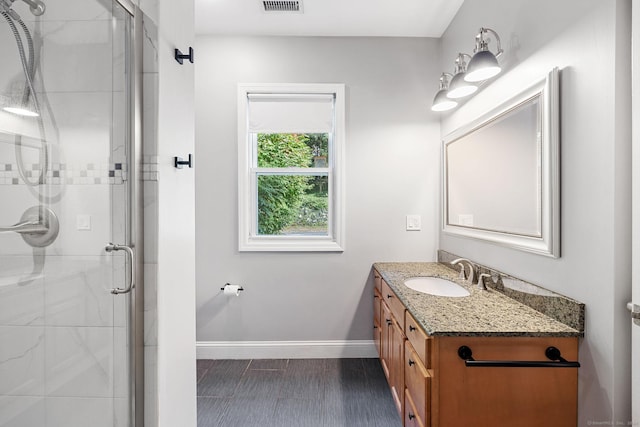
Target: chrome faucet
{"x":481,"y":283}
{"x":463,"y":275}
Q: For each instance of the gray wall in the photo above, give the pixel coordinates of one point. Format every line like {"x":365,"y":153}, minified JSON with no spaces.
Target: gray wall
{"x":169,"y":266}
{"x":590,"y":42}
{"x":392,"y":169}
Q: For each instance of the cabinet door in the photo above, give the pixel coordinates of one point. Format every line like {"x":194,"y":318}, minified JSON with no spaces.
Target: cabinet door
{"x":377,"y":331}
{"x":397,"y":339}
{"x":495,"y":396}
{"x":385,"y":348}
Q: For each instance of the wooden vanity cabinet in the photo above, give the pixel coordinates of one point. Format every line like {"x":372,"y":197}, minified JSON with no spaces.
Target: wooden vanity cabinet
{"x":432,"y":386}
{"x":377,"y":329}
{"x":392,"y":339}
{"x":497,"y":396}
{"x":396,"y":365}
{"x":385,"y":339}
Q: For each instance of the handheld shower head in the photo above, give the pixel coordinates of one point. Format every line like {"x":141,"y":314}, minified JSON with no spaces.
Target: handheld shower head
{"x":37,"y":7}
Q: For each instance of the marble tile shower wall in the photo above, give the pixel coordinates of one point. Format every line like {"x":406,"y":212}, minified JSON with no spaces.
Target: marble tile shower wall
{"x":62,"y":334}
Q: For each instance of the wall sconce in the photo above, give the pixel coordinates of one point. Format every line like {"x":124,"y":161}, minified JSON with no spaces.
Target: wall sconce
{"x":459,"y":86}
{"x":441,"y":102}
{"x":482,"y":66}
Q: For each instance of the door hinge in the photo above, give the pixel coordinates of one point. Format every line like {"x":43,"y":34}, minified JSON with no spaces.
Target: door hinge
{"x":635,"y":312}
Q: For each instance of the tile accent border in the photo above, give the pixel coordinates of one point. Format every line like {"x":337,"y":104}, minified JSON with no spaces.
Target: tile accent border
{"x":80,"y":174}
{"x":66,"y":173}
{"x":285,"y":349}
{"x":559,"y":307}
{"x":149,"y":168}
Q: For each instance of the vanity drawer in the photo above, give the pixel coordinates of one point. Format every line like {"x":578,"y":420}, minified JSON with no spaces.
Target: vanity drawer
{"x":420,"y":341}
{"x":377,"y":280}
{"x":395,"y":305}
{"x":417,"y":381}
{"x":411,"y":417}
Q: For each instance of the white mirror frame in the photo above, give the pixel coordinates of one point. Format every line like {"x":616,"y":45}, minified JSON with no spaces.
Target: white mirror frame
{"x":548,"y":243}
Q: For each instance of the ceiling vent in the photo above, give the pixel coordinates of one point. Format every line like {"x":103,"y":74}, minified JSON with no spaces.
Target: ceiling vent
{"x":282,"y":6}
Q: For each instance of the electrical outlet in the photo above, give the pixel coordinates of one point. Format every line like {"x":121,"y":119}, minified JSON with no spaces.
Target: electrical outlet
{"x":414,"y":222}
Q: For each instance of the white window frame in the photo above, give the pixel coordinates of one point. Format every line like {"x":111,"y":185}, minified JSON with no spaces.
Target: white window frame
{"x":248,"y":239}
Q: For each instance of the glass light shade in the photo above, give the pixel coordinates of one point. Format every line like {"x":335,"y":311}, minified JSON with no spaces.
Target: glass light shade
{"x":459,"y":88}
{"x":442,"y":103}
{"x":482,"y":66}
{"x":21,"y":111}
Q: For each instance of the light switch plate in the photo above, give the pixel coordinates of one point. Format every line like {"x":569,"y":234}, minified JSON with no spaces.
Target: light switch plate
{"x":465,"y":220}
{"x":414,"y":223}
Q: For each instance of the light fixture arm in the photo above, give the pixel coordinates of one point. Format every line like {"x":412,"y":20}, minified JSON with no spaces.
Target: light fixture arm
{"x":444,"y":80}
{"x":461,"y":64}
{"x":483,"y":44}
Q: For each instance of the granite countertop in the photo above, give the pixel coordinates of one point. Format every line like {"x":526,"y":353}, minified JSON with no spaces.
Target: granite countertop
{"x":483,"y":313}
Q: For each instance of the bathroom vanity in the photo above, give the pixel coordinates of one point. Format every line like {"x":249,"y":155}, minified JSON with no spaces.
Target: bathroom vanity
{"x":484,"y":359}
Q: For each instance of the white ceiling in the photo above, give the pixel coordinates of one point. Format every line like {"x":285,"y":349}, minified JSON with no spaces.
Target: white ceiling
{"x":382,"y":18}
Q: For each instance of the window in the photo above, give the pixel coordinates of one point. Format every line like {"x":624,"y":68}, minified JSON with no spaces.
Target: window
{"x":290,"y":158}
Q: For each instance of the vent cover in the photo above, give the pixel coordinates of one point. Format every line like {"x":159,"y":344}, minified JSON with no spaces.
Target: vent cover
{"x":282,"y":6}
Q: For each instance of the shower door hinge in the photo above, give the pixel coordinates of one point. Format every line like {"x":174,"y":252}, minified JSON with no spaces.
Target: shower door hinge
{"x":635,"y":312}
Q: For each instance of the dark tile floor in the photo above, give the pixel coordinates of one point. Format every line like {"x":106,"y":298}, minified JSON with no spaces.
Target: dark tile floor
{"x":295,"y":392}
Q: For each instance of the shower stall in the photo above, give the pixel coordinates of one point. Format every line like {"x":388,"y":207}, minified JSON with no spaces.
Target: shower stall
{"x":70,"y":214}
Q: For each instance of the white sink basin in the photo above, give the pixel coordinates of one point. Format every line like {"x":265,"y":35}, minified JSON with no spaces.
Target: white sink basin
{"x":436,"y":286}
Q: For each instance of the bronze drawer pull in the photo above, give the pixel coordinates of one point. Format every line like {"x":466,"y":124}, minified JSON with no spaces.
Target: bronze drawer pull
{"x":412,"y":328}
{"x":411,"y":362}
{"x":411,"y":416}
{"x":552,"y":354}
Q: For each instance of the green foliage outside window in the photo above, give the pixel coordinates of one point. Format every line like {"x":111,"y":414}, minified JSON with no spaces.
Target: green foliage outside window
{"x":290,"y":200}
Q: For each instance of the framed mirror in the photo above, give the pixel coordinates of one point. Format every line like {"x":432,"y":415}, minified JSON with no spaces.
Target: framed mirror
{"x":501,"y":173}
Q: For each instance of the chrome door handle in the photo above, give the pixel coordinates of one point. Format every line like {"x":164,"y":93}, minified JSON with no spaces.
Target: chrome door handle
{"x":132,"y":270}
{"x":635,"y":312}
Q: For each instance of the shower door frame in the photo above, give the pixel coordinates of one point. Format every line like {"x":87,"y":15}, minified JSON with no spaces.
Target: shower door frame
{"x":135,"y":218}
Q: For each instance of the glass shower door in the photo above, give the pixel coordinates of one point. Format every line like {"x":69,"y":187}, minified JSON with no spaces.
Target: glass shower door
{"x":65,"y":346}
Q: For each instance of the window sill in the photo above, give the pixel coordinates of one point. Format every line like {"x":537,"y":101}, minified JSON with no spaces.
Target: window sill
{"x":280,"y":245}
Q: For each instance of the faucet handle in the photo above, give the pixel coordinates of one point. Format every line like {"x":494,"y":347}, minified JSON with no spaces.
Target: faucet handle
{"x":481,"y":284}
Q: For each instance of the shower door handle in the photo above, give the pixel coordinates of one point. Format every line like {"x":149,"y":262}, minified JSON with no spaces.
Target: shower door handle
{"x":132,"y":270}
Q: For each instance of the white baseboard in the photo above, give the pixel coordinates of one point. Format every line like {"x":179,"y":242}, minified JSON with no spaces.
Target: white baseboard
{"x":285,"y":349}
